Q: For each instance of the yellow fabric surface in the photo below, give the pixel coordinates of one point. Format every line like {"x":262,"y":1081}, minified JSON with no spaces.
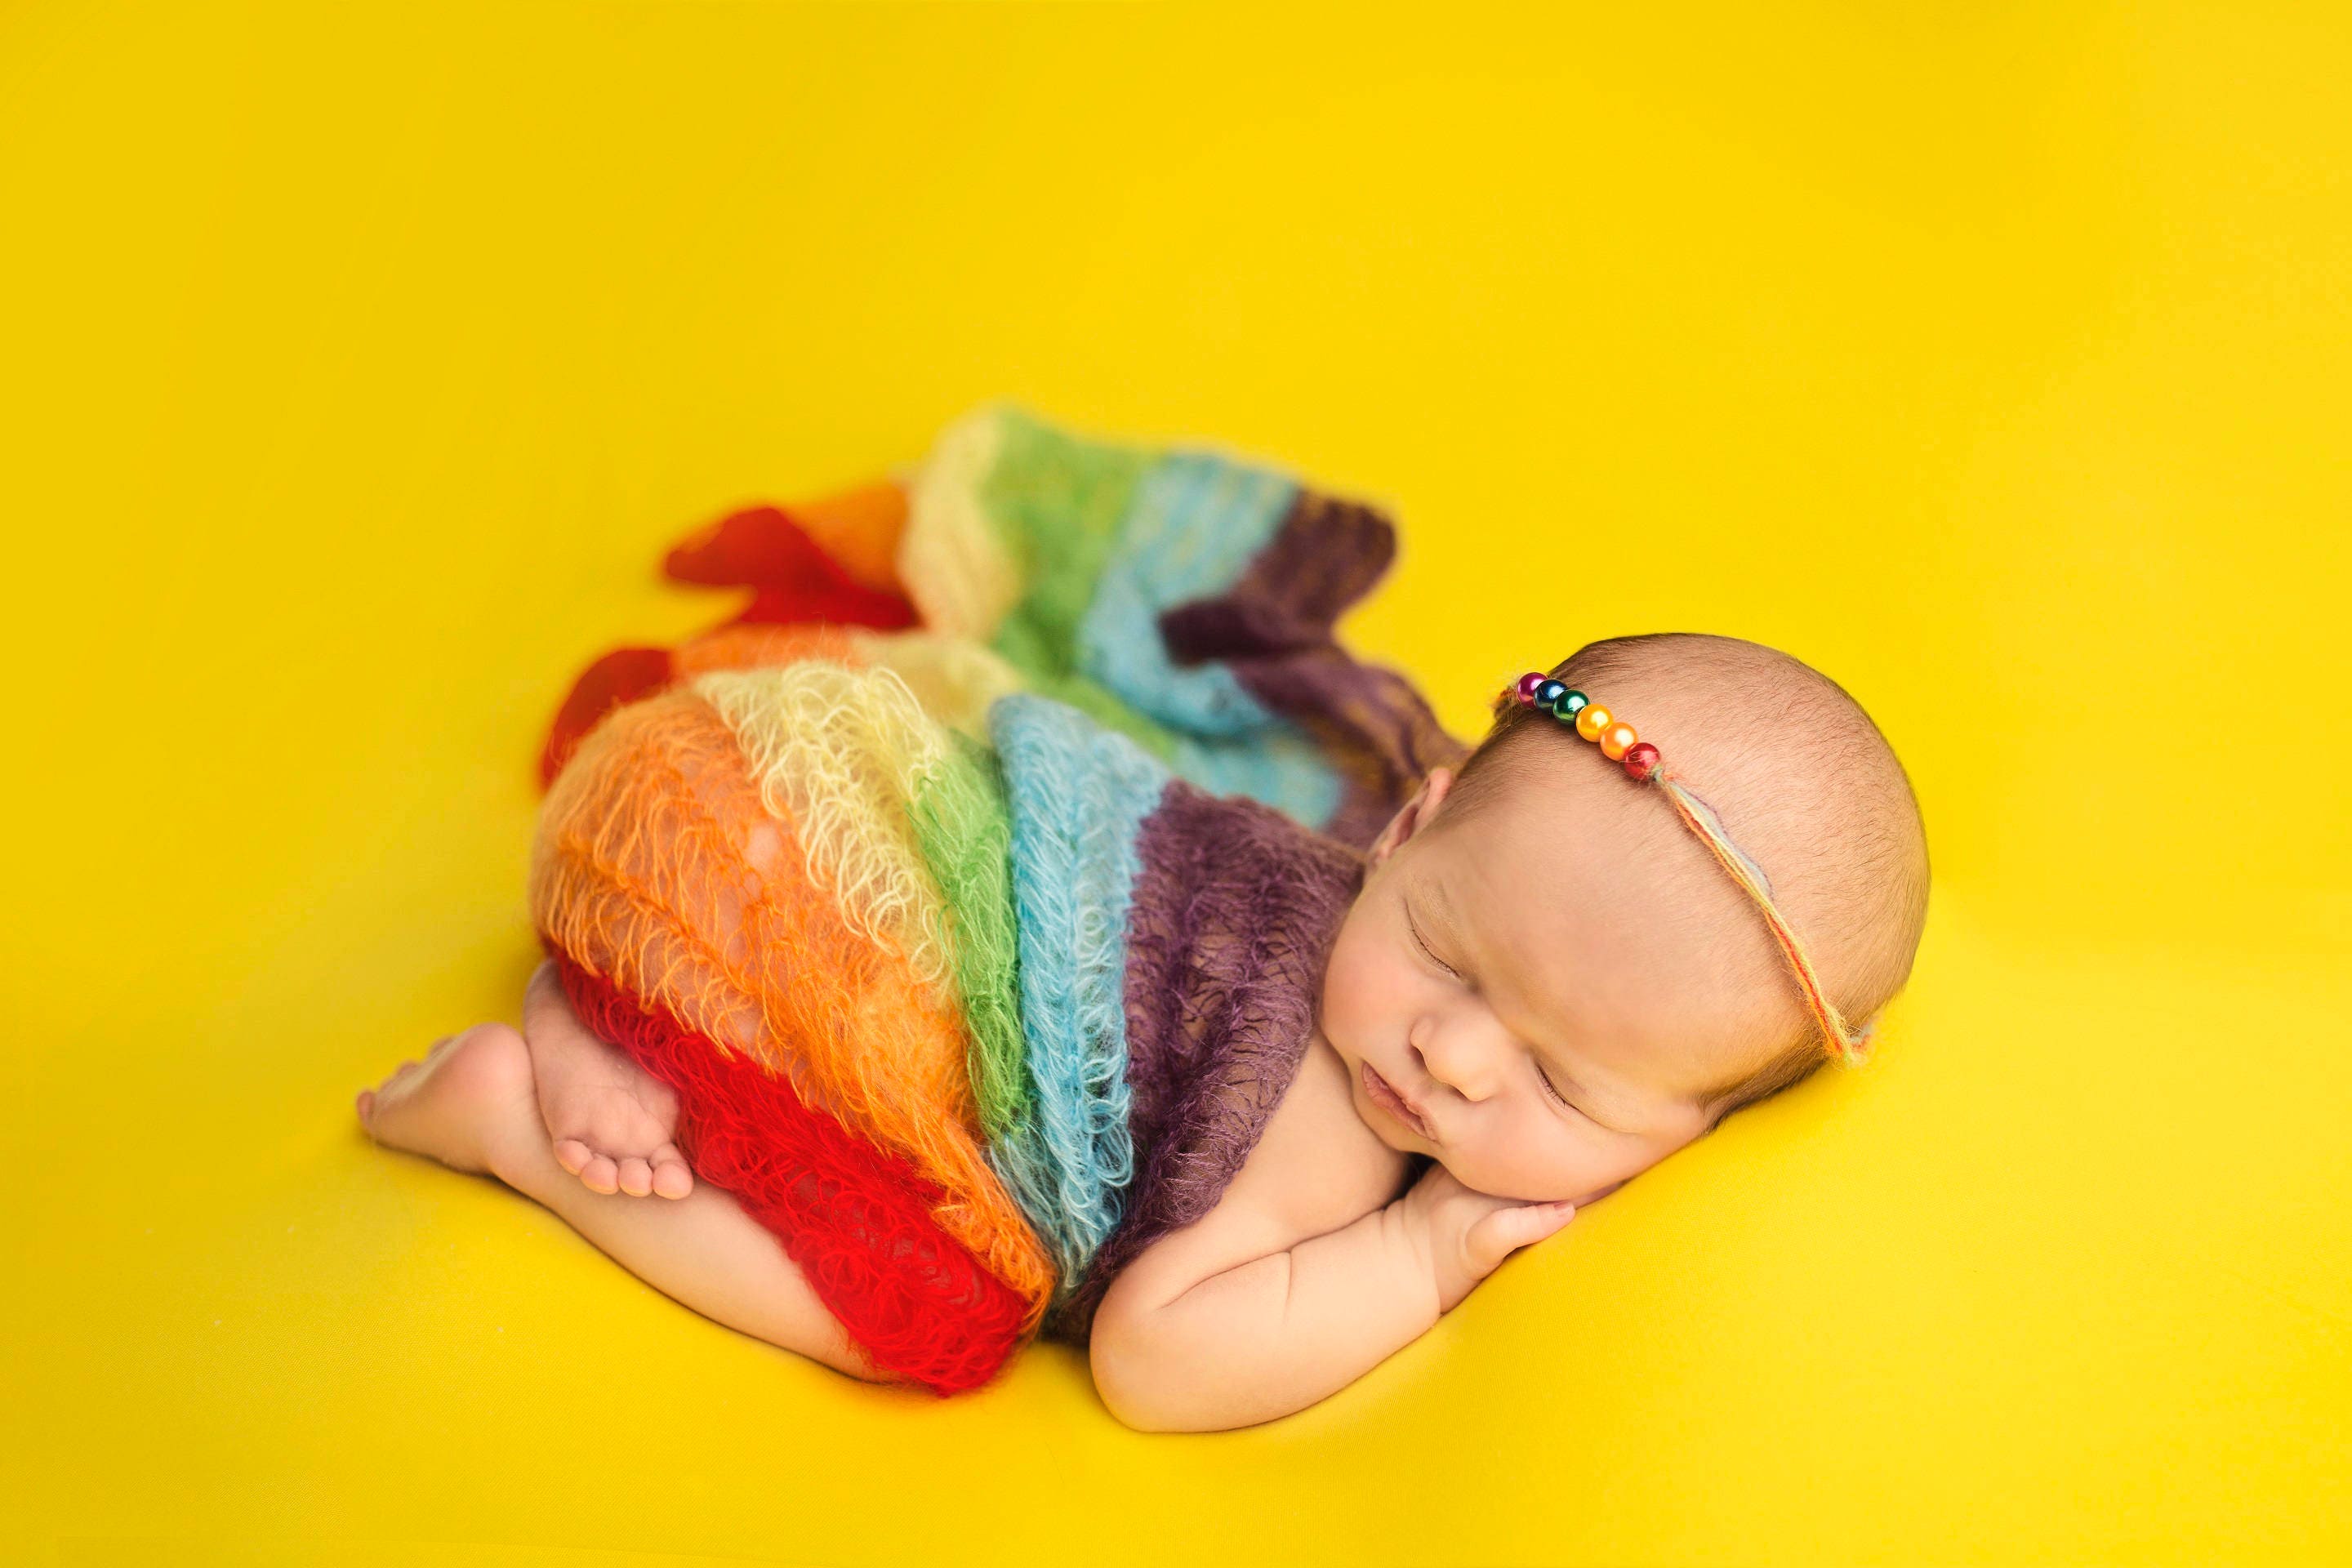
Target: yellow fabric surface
{"x":362,"y":359}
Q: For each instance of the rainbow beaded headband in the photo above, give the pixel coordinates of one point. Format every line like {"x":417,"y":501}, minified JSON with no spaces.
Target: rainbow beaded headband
{"x":1619,"y":743}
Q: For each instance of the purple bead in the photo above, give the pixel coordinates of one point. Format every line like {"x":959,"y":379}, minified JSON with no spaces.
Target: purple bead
{"x":1528,"y":684}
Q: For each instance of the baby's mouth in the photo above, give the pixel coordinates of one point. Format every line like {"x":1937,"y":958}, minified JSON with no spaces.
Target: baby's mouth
{"x":1384,"y":1095}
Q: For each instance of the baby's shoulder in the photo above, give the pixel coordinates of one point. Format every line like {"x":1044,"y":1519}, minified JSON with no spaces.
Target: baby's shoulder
{"x":1316,"y":1168}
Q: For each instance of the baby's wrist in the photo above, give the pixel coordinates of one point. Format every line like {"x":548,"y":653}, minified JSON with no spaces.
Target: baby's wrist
{"x":1411,"y":1243}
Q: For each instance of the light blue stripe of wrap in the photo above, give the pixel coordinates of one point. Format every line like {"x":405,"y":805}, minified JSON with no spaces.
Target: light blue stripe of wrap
{"x":1195,"y":522}
{"x":1078,"y":796}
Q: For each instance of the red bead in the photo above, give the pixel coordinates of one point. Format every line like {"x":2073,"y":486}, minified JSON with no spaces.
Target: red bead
{"x":1528,"y":684}
{"x":1642,"y":761}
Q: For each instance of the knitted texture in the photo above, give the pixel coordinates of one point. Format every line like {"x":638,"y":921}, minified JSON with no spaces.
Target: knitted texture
{"x":1011,"y":538}
{"x":1231,"y":920}
{"x":980,"y":950}
{"x":666,"y":863}
{"x":857,"y":1223}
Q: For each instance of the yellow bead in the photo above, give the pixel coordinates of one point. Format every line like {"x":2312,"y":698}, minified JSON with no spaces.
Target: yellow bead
{"x":1590,"y":719}
{"x":1616,"y":740}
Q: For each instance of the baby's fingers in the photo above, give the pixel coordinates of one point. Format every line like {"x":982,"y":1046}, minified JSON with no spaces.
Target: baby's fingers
{"x":1504,"y":1231}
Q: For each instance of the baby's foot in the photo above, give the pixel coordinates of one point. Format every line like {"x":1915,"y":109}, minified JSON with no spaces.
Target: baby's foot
{"x":610,"y":1121}
{"x":463,"y":1105}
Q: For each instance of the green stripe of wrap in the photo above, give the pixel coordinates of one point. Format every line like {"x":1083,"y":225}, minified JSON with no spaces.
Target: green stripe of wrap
{"x":1056,"y":500}
{"x":963,"y":829}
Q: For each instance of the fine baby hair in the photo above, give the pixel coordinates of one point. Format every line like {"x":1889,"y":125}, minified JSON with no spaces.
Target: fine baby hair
{"x":1774,"y":765}
{"x":1619,"y":742}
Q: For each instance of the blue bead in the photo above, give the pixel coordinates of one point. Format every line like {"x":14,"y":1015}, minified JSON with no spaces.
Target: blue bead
{"x":1549,"y":693}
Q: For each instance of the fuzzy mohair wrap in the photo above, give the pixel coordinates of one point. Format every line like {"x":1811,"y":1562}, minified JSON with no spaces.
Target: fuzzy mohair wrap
{"x":972,"y":886}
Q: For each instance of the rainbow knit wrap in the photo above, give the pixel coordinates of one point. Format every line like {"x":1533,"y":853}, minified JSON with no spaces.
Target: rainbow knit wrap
{"x":972,"y":887}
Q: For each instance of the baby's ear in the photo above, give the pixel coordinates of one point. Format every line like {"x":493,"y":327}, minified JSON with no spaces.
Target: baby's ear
{"x":1414,"y":815}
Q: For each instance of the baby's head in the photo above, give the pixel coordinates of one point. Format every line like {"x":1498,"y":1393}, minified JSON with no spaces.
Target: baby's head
{"x":1556,"y":974}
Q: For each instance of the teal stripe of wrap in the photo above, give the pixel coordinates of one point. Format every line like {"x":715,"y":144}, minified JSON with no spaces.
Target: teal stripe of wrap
{"x":1195,"y":522}
{"x":1281,"y":767}
{"x":1079,"y":795}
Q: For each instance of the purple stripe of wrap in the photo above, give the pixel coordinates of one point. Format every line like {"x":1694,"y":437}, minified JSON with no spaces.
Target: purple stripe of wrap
{"x":1274,"y":627}
{"x":1232,"y":916}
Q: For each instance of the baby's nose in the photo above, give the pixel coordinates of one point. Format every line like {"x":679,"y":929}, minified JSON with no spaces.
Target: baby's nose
{"x":1460,"y":1064}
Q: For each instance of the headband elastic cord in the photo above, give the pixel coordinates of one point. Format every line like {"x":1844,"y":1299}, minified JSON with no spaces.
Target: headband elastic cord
{"x":1642,"y":763}
{"x":1851,"y":1046}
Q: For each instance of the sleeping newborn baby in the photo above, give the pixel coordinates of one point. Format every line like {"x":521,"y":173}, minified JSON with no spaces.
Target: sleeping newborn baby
{"x":1555,"y":967}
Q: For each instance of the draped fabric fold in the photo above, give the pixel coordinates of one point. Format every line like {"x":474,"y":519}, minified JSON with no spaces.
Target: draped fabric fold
{"x":972,"y":885}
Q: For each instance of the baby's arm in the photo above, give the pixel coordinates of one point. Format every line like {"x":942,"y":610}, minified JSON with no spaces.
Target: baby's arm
{"x":1263,"y":1338}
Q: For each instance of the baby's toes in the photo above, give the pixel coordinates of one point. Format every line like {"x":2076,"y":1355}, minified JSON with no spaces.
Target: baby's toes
{"x":636,"y":1177}
{"x":601,"y":1174}
{"x":671,"y":1177}
{"x":573,"y":1154}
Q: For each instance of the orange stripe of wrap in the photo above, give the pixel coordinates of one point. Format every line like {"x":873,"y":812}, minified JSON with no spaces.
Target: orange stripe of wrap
{"x":657,"y":865}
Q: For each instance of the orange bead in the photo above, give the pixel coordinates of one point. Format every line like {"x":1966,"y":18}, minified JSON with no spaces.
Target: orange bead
{"x":1616,"y":740}
{"x":1592,"y":719}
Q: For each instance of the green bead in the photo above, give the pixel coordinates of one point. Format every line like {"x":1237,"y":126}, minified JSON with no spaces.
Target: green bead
{"x":1569,"y":703}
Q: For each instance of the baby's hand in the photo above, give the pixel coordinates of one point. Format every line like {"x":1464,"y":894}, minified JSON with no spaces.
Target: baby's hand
{"x":1464,"y":1236}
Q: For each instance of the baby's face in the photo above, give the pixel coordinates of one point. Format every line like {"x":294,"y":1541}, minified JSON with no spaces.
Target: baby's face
{"x":1522,"y":984}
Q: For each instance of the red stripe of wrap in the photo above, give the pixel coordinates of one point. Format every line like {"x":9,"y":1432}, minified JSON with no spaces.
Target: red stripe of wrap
{"x":855,"y":1217}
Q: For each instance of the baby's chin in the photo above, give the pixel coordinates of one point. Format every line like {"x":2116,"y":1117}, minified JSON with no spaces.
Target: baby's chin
{"x":1519,"y":1192}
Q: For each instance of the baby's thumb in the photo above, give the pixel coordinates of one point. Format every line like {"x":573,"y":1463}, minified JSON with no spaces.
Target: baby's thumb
{"x":1547,"y":1218}
{"x":1504,"y":1231}
{"x":1524,"y":1226}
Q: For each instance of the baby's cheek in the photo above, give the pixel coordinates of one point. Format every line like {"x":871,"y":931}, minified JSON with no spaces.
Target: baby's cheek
{"x":1352,"y":993}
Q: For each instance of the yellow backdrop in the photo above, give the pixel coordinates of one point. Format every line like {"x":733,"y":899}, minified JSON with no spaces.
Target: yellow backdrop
{"x":360,"y":360}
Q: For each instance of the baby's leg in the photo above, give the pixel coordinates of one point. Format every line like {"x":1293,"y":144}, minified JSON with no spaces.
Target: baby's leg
{"x":609,"y":1121}
{"x":471,"y":1105}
